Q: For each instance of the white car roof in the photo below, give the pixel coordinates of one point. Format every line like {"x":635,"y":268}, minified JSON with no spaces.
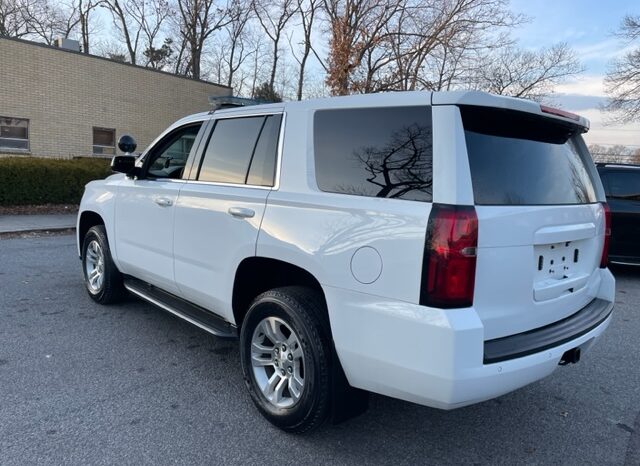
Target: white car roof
{"x":475,"y":98}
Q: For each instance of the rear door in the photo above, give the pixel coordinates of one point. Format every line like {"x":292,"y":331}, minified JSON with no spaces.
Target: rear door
{"x":219,"y":210}
{"x":623,"y":196}
{"x":541,"y":223}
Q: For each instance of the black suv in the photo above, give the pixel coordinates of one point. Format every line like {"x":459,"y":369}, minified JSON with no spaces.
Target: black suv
{"x":622,"y":186}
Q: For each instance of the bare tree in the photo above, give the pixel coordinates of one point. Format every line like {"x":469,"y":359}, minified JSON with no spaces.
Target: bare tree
{"x":380,"y":45}
{"x":129,"y":29}
{"x":437,"y":44}
{"x":236,"y":34}
{"x":618,"y":153}
{"x":528,"y":74}
{"x":356,"y":28}
{"x":307,"y":10}
{"x":38,"y":19}
{"x":622,"y":83}
{"x":12,"y":20}
{"x":258,"y":63}
{"x":151,"y":15}
{"x":85,"y":9}
{"x":273,"y":17}
{"x":139,"y":22}
{"x":196,"y":21}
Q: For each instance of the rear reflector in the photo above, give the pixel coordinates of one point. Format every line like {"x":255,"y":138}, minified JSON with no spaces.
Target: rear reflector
{"x":449,"y":263}
{"x":607,"y":235}
{"x":558,"y":112}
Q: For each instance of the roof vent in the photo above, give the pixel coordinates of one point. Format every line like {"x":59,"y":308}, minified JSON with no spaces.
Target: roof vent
{"x":67,"y":44}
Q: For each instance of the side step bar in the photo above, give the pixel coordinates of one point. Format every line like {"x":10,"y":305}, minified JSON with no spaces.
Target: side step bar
{"x":193,"y":314}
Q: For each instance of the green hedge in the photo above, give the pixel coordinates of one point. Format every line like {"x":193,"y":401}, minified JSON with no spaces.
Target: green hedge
{"x":30,"y":180}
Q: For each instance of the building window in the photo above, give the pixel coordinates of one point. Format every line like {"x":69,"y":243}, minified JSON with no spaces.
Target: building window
{"x":104,"y":141}
{"x":14,"y":133}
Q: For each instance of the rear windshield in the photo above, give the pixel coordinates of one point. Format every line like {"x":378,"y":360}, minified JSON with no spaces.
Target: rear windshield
{"x":522,"y":159}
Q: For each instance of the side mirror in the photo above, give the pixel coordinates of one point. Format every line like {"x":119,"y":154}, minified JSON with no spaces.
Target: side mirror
{"x":124,"y":164}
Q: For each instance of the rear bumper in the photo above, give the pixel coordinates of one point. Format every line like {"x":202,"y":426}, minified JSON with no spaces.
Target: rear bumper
{"x":436,"y":357}
{"x":550,"y":336}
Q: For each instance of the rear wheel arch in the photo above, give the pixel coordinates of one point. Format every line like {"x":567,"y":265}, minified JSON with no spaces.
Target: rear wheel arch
{"x":256,"y":275}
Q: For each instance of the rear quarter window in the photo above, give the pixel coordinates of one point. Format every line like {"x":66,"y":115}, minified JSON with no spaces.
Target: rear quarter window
{"x":377,"y":152}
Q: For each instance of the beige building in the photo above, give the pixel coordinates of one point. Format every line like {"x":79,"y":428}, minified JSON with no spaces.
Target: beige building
{"x":58,"y":102}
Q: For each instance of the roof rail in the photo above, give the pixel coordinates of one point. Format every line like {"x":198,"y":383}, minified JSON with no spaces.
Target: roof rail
{"x":229,"y":101}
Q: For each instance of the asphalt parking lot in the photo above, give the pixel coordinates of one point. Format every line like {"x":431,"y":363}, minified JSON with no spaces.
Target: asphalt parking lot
{"x":125,"y":384}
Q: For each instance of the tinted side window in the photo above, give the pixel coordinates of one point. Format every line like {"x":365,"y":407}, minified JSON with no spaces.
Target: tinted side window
{"x":624,"y":185}
{"x":376,"y":152}
{"x":228,"y":154}
{"x":263,"y":163}
{"x":169,"y":157}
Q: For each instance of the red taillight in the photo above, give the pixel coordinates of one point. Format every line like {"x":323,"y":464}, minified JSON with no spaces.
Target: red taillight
{"x":449,"y":264}
{"x":607,"y":235}
{"x":559,"y":112}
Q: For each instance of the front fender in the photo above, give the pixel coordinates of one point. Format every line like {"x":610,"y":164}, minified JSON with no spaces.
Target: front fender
{"x":100,"y":198}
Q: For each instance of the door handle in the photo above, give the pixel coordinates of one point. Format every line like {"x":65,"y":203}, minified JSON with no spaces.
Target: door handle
{"x":163,"y":201}
{"x":241,"y":212}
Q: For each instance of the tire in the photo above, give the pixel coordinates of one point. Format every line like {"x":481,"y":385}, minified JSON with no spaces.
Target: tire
{"x":301,"y":311}
{"x":107,"y":288}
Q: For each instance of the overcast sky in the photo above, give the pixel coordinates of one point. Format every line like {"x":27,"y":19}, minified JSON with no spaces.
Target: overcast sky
{"x":587,"y":26}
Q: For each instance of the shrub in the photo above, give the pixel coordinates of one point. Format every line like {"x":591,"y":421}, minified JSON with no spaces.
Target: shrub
{"x":30,"y":180}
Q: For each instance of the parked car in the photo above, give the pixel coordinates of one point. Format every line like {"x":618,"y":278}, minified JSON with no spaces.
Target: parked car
{"x":622,"y":188}
{"x":441,"y":248}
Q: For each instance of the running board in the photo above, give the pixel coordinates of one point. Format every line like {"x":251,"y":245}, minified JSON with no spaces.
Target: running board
{"x":193,"y":314}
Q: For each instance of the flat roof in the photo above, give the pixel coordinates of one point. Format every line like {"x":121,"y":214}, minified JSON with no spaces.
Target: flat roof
{"x":97,"y":57}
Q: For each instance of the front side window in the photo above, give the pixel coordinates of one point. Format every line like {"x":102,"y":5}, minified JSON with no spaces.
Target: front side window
{"x":624,"y":185}
{"x":375,"y":152}
{"x":14,"y":133}
{"x":104,"y":141}
{"x":168,"y":157}
{"x":242,"y":151}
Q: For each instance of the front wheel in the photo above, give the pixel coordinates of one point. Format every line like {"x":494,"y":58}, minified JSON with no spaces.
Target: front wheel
{"x":285,"y":350}
{"x":102,"y":278}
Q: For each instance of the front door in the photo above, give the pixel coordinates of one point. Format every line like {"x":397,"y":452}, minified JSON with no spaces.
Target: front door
{"x":145,"y":209}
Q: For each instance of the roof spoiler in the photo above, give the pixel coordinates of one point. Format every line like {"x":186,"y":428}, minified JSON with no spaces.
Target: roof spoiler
{"x":484,"y":99}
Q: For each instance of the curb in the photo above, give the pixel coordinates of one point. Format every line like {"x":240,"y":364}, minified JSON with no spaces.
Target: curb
{"x":37,"y":231}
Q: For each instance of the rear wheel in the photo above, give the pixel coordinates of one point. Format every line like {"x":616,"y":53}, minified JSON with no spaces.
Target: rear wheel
{"x":101,"y":276}
{"x":286,"y":352}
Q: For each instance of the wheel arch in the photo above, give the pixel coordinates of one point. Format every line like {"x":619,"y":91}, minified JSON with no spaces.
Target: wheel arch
{"x":87,"y":219}
{"x":256,"y":275}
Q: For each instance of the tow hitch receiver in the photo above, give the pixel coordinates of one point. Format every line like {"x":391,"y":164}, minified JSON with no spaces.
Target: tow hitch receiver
{"x":570,"y":357}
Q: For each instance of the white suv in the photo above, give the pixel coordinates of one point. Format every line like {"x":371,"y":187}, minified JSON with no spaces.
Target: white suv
{"x":441,"y":248}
